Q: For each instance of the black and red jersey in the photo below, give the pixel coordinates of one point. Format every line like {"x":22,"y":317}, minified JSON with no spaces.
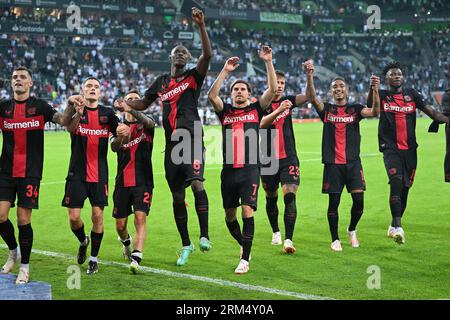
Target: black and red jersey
{"x":88,"y":161}
{"x":22,"y":124}
{"x":134,"y":159}
{"x":240,"y":135}
{"x":397,"y":126}
{"x":341,"y":138}
{"x":178,"y":98}
{"x":282,"y":139}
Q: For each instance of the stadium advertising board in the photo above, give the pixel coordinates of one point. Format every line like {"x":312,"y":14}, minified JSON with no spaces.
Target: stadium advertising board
{"x":86,"y":5}
{"x":185,"y":35}
{"x":62,"y":29}
{"x":24,"y":28}
{"x":27,"y":3}
{"x":281,"y":17}
{"x":231,"y":14}
{"x":385,"y":20}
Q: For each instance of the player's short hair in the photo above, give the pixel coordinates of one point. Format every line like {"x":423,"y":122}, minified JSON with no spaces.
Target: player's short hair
{"x":249,"y":88}
{"x":90,"y":78}
{"x":280,"y":74}
{"x":22,"y":68}
{"x":391,"y":65}
{"x":339,"y":78}
{"x":183,"y":46}
{"x":133,"y":91}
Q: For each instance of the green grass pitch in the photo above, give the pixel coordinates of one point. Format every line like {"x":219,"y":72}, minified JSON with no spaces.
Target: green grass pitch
{"x":420,"y":269}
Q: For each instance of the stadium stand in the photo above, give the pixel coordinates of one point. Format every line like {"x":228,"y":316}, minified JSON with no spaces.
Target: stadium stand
{"x":60,"y":61}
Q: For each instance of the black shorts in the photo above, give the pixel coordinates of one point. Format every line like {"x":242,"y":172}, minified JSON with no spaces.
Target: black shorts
{"x":240,"y":187}
{"x":77,"y":191}
{"x":335,"y":176}
{"x":128,"y":200}
{"x":288,"y":173}
{"x":401,"y":163}
{"x":26,"y":189}
{"x":181,"y":172}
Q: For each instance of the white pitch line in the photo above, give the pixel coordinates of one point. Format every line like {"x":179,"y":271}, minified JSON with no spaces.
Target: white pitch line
{"x":225,"y":283}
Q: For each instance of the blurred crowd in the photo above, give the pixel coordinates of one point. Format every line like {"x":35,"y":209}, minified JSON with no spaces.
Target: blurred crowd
{"x":333,"y":7}
{"x":121,"y":63}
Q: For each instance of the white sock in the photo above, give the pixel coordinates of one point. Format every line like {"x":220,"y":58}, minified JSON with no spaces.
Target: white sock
{"x":93,"y":259}
{"x":25,"y":266}
{"x":13,"y":253}
{"x":137,"y":254}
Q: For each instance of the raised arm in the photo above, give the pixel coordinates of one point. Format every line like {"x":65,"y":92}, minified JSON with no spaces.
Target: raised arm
{"x":140,"y":104}
{"x":140,"y":117}
{"x":373,"y":109}
{"x":300,"y":99}
{"x":204,"y":60}
{"x":267,"y":121}
{"x":310,"y":90}
{"x":65,"y":118}
{"x":213,"y":93}
{"x":266,"y":99}
{"x":74,"y":110}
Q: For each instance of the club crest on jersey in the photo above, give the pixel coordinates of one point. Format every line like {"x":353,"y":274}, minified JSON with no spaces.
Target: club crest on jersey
{"x":31,"y":111}
{"x":333,"y":110}
{"x":351,"y":110}
{"x":407,"y":98}
{"x":103,"y":119}
{"x":8,"y":112}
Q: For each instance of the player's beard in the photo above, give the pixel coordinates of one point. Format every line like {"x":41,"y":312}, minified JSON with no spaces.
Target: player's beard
{"x":340,"y":100}
{"x":240,"y":103}
{"x":21,"y":91}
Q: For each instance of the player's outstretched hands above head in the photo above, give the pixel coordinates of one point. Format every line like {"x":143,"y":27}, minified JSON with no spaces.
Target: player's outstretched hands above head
{"x":198,"y":16}
{"x":231,"y":64}
{"x":265,"y":53}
